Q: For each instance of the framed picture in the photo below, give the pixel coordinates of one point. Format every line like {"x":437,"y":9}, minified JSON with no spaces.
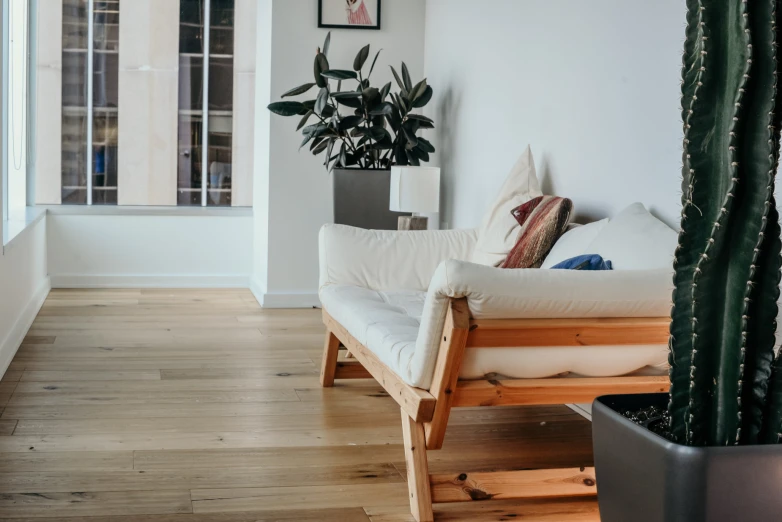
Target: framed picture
{"x":349,"y":14}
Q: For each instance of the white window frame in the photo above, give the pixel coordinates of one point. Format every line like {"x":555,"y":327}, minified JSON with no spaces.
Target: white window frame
{"x":205,"y":107}
{"x":3,"y":205}
{"x":4,"y":28}
{"x":90,"y":163}
{"x":5,"y":110}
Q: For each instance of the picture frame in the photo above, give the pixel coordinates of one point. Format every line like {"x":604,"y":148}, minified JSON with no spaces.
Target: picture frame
{"x":349,"y":14}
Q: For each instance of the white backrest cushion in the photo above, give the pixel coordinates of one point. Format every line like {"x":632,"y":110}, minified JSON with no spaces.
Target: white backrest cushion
{"x":388,"y":259}
{"x":499,"y":231}
{"x":635,"y":240}
{"x":573,"y":243}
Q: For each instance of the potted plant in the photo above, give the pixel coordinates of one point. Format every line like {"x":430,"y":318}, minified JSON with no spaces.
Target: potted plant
{"x":709,"y":451}
{"x":363,"y":131}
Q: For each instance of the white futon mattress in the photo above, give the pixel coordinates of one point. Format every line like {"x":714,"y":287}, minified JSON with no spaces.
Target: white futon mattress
{"x":387,"y":323}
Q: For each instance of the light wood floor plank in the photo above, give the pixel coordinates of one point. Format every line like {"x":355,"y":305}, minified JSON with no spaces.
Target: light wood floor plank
{"x":204,"y":478}
{"x":56,"y":388}
{"x":354,"y":406}
{"x":54,"y":376}
{"x":77,"y":348}
{"x":293,"y":359}
{"x":240,"y":373}
{"x":199,"y":424}
{"x":346,"y":436}
{"x":162,"y":397}
{"x":268,"y":457}
{"x":245,"y":499}
{"x":282,"y":515}
{"x":7,"y":427}
{"x":57,"y":505}
{"x":11,"y":376}
{"x":66,"y":461}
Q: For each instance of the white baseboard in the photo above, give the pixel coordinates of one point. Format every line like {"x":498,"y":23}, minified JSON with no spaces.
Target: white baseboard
{"x":149,"y":281}
{"x":257,"y":290}
{"x":280,"y":300}
{"x":293,"y":300}
{"x":13,"y":340}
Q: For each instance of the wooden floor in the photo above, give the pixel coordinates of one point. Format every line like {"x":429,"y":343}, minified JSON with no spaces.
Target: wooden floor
{"x":198,"y":406}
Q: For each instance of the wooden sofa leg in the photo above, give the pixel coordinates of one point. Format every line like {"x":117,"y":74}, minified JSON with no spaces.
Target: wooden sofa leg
{"x":417,"y":469}
{"x":329,"y":366}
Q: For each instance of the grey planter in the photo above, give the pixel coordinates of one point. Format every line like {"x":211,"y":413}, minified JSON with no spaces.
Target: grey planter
{"x":361,"y":199}
{"x":642,"y":477}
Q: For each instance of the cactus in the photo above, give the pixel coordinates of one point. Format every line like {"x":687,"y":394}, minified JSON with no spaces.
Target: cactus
{"x":726,"y":383}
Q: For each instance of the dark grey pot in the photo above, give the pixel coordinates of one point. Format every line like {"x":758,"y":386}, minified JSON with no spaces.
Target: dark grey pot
{"x":642,"y":477}
{"x":361,"y":199}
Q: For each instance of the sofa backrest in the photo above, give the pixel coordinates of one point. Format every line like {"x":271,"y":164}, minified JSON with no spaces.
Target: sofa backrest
{"x":387,"y":259}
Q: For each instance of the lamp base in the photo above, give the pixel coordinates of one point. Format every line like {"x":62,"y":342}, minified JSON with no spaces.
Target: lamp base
{"x":413,"y":223}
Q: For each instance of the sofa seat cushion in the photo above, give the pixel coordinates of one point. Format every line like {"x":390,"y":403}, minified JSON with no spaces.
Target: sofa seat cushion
{"x":388,"y":322}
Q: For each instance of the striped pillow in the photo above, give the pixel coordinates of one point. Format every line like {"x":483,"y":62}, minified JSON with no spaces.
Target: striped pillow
{"x":543,"y":220}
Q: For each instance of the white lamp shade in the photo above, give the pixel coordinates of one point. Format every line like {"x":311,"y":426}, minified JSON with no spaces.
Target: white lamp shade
{"x":415,"y":189}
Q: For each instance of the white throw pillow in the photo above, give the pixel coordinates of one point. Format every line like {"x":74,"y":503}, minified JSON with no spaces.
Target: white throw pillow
{"x":636,"y":240}
{"x":499,"y":232}
{"x":574,"y":243}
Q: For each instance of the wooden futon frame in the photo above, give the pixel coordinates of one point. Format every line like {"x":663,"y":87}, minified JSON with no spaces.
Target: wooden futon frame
{"x":425,"y":413}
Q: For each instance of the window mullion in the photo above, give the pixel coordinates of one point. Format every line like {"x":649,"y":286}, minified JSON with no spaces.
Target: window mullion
{"x":90,"y":103}
{"x":205,"y":108}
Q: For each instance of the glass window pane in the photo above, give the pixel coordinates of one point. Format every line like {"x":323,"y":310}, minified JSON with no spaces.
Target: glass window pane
{"x":74,"y":78}
{"x":74,"y":152}
{"x":221,"y":39}
{"x":105,"y":76}
{"x":220,"y":159}
{"x":191,"y":82}
{"x":104,"y":158}
{"x":189,"y":177}
{"x":221,"y":83}
{"x":191,"y":26}
{"x":74,"y":24}
{"x":105,"y":79}
{"x":106,"y":30}
{"x":99,"y":157}
{"x":105,"y":99}
{"x":74,"y":100}
{"x":221,"y":80}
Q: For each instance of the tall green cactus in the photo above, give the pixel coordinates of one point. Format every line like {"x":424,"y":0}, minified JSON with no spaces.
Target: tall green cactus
{"x":726,"y":386}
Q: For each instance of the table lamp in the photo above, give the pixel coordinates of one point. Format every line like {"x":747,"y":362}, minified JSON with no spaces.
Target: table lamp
{"x":416,"y":190}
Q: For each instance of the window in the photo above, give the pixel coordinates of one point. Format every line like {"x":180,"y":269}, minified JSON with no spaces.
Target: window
{"x":143,"y":103}
{"x":15,"y":106}
{"x":206,"y":43}
{"x":90,"y":74}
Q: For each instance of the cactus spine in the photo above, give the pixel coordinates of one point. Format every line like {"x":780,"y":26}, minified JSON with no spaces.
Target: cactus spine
{"x":726,"y":386}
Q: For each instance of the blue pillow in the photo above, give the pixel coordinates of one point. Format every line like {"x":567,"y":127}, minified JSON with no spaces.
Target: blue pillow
{"x":585,"y":262}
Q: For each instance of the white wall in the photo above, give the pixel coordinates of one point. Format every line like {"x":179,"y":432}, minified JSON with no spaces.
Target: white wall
{"x":23,"y":288}
{"x":294,"y":193}
{"x":23,"y":281}
{"x":149,"y":250}
{"x":592,"y":86}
